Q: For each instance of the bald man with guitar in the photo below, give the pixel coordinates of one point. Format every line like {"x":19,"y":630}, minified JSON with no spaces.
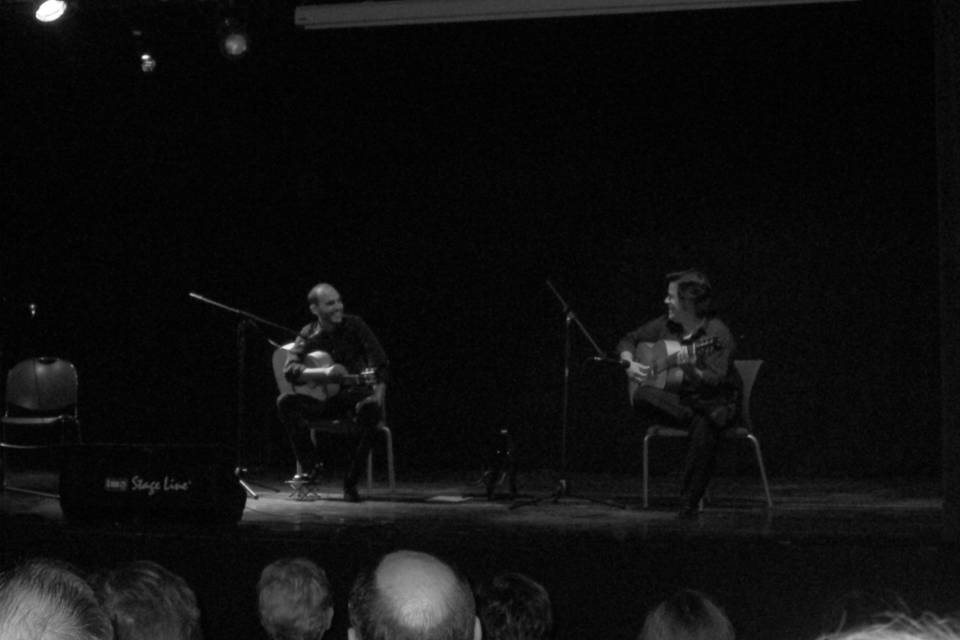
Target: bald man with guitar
{"x":336,"y":368}
{"x":680,"y":368}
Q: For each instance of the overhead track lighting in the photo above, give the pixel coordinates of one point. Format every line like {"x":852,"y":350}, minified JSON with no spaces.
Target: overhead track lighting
{"x":364,"y":13}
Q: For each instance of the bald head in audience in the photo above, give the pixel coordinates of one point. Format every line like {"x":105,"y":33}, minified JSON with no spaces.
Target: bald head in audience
{"x":45,"y":599}
{"x":410,"y":595}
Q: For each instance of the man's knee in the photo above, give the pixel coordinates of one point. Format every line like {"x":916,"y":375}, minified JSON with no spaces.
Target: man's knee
{"x":720,"y":417}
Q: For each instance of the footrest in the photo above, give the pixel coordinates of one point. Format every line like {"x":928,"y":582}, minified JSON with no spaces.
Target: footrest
{"x":303,"y":490}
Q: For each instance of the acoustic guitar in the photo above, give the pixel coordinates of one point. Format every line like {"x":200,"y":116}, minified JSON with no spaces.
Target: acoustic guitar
{"x":661,"y":358}
{"x":322,"y":360}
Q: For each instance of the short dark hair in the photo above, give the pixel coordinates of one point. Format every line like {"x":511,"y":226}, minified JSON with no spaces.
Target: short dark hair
{"x":146,"y":600}
{"x":693,"y":288}
{"x":443,"y":610}
{"x":295,"y":599}
{"x":687,"y":615}
{"x":44,"y":596}
{"x":514,"y":606}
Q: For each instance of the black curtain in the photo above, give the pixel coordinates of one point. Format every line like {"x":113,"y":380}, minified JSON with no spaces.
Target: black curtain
{"x":947,"y":24}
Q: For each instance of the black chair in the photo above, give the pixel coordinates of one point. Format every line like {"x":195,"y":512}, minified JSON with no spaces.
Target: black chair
{"x":346,"y":427}
{"x":40,"y":411}
{"x":741,"y":430}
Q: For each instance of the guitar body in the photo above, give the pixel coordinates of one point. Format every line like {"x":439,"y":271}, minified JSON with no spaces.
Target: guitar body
{"x":661,"y":358}
{"x":321,"y":360}
{"x":658,"y":355}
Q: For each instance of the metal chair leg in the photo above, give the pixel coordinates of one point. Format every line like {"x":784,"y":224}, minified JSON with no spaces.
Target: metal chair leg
{"x":763,"y":471}
{"x":391,"y":477}
{"x":390,"y":470}
{"x":370,"y":469}
{"x":646,"y":469}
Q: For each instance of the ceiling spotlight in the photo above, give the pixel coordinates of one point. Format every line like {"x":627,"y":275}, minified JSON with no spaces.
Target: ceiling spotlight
{"x":49,"y":10}
{"x":148,"y":63}
{"x":234,"y":41}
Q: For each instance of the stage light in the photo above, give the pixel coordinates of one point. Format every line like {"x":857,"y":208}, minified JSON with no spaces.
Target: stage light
{"x":148,"y":63}
{"x":49,"y":10}
{"x":234,"y":41}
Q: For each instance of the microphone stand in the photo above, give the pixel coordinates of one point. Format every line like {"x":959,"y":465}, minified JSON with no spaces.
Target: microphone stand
{"x":247,"y":319}
{"x":570,"y":319}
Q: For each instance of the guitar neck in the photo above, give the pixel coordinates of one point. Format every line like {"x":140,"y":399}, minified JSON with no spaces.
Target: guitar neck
{"x":367,"y":377}
{"x":693,"y":351}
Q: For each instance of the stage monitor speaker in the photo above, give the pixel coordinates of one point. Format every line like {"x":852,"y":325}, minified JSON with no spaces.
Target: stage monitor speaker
{"x":150,"y":484}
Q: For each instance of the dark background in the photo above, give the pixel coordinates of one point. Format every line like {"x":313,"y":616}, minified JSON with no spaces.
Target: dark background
{"x":439,"y":176}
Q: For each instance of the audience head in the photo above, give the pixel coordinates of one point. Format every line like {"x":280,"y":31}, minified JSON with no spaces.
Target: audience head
{"x":513,"y":606}
{"x":45,"y":599}
{"x":688,"y":615}
{"x":295,"y":600}
{"x":902,"y":627}
{"x":147,"y":601}
{"x":411,"y":595}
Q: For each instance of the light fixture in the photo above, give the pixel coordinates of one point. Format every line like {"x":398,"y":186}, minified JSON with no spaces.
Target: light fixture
{"x":363,"y":13}
{"x":234,"y":41}
{"x":49,"y":10}
{"x":148,"y":64}
{"x":145,"y":57}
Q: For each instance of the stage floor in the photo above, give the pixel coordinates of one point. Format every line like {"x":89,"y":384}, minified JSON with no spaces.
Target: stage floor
{"x":828,"y":549}
{"x":591,"y":504}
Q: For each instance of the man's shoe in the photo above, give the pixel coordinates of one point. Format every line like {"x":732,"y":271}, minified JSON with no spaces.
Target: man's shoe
{"x":350,"y":494}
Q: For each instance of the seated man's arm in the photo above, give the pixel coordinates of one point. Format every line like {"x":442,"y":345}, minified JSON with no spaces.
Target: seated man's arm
{"x":375,"y":355}
{"x":293,"y":367}
{"x":297,"y":371}
{"x":712,"y":369}
{"x":650,"y":331}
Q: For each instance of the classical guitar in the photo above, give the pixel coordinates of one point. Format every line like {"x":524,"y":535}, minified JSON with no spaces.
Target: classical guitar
{"x":661,"y":358}
{"x":321,"y":360}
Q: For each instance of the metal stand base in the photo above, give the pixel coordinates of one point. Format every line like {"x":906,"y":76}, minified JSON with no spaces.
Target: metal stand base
{"x":240,"y":472}
{"x":563,"y":491}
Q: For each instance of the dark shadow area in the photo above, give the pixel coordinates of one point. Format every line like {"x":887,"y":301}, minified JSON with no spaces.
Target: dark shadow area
{"x":440,"y":174}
